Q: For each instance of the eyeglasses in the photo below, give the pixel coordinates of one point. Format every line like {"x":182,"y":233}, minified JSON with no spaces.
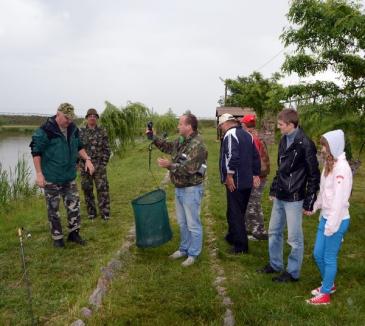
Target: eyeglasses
{"x":92,"y":116}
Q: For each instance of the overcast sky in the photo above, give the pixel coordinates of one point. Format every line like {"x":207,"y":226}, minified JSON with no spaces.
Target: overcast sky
{"x":163,"y":53}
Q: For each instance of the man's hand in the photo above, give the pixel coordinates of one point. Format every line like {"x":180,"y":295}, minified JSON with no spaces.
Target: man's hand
{"x":41,"y":182}
{"x":89,"y":167}
{"x":164,"y":163}
{"x":256,"y":181}
{"x":271,"y":198}
{"x":308,"y":213}
{"x":230,"y":183}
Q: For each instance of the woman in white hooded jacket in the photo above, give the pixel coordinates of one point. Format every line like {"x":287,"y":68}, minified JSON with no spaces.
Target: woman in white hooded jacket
{"x":333,"y":201}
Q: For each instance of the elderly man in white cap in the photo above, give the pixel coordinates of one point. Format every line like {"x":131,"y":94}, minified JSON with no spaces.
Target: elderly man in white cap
{"x":240,"y":169}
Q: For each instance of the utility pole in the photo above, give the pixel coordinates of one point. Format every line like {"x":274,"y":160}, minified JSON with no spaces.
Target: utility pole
{"x":225,"y":90}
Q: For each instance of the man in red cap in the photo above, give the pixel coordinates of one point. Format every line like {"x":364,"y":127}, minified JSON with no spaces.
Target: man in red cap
{"x":254,"y":214}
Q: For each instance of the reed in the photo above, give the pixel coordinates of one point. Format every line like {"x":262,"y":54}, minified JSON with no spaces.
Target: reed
{"x":16,"y":184}
{"x":4,"y":187}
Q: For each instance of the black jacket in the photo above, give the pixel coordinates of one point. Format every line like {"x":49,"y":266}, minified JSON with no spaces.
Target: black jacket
{"x":239,"y":156}
{"x":298,"y":175}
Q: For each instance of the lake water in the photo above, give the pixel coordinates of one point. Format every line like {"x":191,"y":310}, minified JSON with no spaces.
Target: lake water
{"x":12,"y":147}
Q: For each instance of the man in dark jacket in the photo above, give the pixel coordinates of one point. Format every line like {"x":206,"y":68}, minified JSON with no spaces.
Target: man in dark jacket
{"x":293,"y":191}
{"x":55,"y":149}
{"x":240,"y":169}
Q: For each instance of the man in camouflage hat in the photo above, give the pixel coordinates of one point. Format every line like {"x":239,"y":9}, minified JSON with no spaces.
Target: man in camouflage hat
{"x":97,"y":147}
{"x":187,"y":170}
{"x":55,"y":147}
{"x":254,"y":215}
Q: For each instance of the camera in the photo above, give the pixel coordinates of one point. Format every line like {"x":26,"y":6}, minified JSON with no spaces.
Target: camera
{"x":150,"y":130}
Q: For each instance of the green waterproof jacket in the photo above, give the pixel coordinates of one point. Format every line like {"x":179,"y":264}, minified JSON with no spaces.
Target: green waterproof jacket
{"x":58,"y":154}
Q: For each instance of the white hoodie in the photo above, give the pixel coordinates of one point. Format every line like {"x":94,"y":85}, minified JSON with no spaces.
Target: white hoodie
{"x":335,"y":189}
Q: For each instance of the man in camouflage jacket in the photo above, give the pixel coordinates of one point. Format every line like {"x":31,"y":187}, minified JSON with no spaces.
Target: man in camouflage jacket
{"x":254,"y":215}
{"x":95,"y":140}
{"x":187,"y":170}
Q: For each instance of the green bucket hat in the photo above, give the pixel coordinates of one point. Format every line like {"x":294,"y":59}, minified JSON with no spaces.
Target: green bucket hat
{"x":92,"y":111}
{"x":67,"y":109}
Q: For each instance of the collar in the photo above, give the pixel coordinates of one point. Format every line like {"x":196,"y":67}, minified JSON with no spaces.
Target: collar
{"x":293,"y":133}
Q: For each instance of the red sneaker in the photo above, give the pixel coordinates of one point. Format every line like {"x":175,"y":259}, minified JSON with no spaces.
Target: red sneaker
{"x":318,"y":290}
{"x":320,"y":299}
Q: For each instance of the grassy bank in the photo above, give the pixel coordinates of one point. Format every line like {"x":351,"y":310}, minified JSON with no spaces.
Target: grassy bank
{"x":152,"y":290}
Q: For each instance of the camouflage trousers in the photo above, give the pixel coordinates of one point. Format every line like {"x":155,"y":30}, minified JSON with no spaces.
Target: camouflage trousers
{"x":254,"y":216}
{"x":102,"y":190}
{"x":71,"y":200}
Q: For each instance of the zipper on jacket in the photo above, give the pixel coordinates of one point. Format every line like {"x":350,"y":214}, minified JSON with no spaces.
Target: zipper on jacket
{"x":290,"y":181}
{"x":292,"y":163}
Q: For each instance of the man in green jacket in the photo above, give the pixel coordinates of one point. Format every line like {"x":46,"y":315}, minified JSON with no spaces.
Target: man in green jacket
{"x":55,"y":148}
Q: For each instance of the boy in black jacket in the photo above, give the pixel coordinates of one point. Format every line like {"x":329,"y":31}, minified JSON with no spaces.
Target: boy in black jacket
{"x":293,"y":191}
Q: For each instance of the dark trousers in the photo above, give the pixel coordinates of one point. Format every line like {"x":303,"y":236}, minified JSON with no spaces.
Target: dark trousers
{"x":236,"y":208}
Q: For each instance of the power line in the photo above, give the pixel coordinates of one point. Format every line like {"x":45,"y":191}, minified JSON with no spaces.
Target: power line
{"x":267,"y":62}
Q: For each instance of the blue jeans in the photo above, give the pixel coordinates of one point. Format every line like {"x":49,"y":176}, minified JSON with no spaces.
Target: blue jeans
{"x":290,"y":213}
{"x":325,"y":253}
{"x":188,"y":202}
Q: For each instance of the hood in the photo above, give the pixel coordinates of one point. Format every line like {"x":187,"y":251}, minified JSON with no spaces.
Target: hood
{"x":336,"y":141}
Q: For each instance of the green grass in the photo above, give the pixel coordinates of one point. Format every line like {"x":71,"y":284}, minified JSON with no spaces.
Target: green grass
{"x":152,"y":290}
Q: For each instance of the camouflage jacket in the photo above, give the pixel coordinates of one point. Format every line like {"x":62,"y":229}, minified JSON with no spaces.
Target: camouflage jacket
{"x":188,"y":155}
{"x":96,"y":144}
{"x":264,"y":155}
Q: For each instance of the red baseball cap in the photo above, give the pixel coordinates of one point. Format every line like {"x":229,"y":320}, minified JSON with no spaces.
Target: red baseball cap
{"x":248,"y":118}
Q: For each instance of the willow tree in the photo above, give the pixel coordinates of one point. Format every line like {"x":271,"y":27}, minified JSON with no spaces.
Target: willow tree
{"x":124,"y":124}
{"x":165,"y":123}
{"x":327,"y":36}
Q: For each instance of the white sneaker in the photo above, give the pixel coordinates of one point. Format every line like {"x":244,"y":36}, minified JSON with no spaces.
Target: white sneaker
{"x":188,"y":261}
{"x":252,"y":238}
{"x":177,"y":254}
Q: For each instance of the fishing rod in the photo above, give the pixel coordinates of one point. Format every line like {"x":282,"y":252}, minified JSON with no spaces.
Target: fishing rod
{"x":25,"y":274}
{"x":149,"y":163}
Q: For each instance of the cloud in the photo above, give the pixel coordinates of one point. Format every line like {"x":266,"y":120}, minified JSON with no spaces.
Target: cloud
{"x":163,"y":53}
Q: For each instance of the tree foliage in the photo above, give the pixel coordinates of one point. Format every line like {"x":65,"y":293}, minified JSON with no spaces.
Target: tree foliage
{"x":165,"y":123}
{"x":255,"y":91}
{"x":124,"y":124}
{"x":328,"y":35}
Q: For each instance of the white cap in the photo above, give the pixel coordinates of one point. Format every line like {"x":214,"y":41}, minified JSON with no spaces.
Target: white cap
{"x":225,"y":117}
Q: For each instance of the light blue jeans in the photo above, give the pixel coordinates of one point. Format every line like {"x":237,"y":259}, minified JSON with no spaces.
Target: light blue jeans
{"x":325,"y":253}
{"x":188,"y":200}
{"x":290,"y":214}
